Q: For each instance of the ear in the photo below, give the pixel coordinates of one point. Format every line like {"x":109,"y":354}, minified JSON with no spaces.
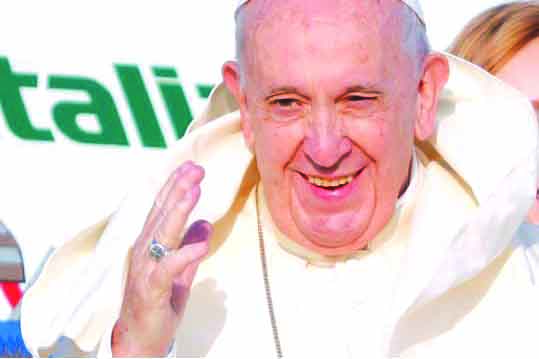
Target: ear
{"x":231,"y":78}
{"x":433,"y":80}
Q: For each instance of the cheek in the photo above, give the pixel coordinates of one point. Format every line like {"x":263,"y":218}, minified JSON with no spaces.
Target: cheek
{"x":374,"y":136}
{"x":387,"y":141}
{"x":276,"y":146}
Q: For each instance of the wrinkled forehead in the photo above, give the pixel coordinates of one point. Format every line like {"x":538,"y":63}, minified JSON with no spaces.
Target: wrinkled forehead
{"x":322,"y":29}
{"x":350,"y":17}
{"x":330,"y":45}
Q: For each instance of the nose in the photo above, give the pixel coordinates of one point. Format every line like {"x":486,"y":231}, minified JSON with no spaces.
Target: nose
{"x":325,"y":144}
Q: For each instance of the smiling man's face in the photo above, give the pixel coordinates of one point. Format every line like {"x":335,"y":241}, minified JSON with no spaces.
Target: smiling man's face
{"x":329,"y":103}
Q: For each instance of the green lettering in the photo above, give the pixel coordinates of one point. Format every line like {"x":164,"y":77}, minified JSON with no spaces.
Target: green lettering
{"x":13,"y":105}
{"x":101,"y":106}
{"x":174,"y":98}
{"x":140,"y":105}
{"x":204,"y":90}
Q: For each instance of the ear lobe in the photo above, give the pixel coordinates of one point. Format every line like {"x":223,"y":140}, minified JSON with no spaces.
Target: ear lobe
{"x":231,"y":78}
{"x":434,"y":78}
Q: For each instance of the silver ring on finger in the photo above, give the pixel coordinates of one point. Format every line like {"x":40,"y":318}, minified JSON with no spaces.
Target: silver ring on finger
{"x":157,"y":250}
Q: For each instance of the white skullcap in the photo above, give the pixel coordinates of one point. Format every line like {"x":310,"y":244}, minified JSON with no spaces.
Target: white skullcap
{"x":412,"y":4}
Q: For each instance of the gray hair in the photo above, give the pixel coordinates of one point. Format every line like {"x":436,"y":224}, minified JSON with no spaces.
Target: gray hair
{"x":415,"y":40}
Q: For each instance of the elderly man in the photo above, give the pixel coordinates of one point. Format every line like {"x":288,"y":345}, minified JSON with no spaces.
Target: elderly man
{"x":357,"y":209}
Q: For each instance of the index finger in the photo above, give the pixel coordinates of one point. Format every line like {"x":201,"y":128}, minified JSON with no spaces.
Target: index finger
{"x":181,"y":181}
{"x":161,"y":197}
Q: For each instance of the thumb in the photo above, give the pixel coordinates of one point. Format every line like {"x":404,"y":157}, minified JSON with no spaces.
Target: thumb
{"x":194,"y":248}
{"x":182,"y":287}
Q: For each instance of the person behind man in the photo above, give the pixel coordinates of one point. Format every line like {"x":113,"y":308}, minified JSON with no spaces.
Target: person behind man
{"x":504,"y":40}
{"x":354,"y":207}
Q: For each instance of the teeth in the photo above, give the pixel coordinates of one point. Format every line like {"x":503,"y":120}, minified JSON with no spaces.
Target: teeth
{"x":320,"y":182}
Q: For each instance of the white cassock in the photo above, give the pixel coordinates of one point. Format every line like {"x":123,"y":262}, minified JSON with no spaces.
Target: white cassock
{"x":443,"y":278}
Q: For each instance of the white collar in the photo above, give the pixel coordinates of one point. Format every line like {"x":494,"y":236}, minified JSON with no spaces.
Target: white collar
{"x":412,"y":186}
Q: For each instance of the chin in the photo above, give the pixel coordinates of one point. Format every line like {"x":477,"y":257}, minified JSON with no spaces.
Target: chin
{"x":336,"y":250}
{"x":334,"y":244}
{"x":334,"y":235}
{"x":336,"y":240}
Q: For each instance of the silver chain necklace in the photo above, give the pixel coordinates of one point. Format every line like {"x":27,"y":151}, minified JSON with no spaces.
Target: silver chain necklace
{"x":265,"y":275}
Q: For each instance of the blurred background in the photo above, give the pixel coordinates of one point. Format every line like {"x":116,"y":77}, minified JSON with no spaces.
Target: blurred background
{"x":93,"y":92}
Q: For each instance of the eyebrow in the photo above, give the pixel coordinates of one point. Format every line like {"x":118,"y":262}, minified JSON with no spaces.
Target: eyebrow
{"x":360,"y":88}
{"x":292,"y":89}
{"x":283,"y":90}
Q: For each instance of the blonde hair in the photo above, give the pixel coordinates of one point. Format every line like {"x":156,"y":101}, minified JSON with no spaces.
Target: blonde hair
{"x":491,"y":39}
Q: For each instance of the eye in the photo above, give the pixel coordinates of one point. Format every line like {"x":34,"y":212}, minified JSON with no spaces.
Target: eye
{"x":286,"y":107}
{"x":359,"y":98}
{"x":359,"y":103}
{"x":286,"y":102}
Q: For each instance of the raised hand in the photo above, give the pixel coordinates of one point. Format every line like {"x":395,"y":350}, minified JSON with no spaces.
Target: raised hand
{"x":157,"y":286}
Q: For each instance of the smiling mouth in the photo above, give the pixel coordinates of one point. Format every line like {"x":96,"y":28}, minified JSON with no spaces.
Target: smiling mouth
{"x":331,"y":183}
